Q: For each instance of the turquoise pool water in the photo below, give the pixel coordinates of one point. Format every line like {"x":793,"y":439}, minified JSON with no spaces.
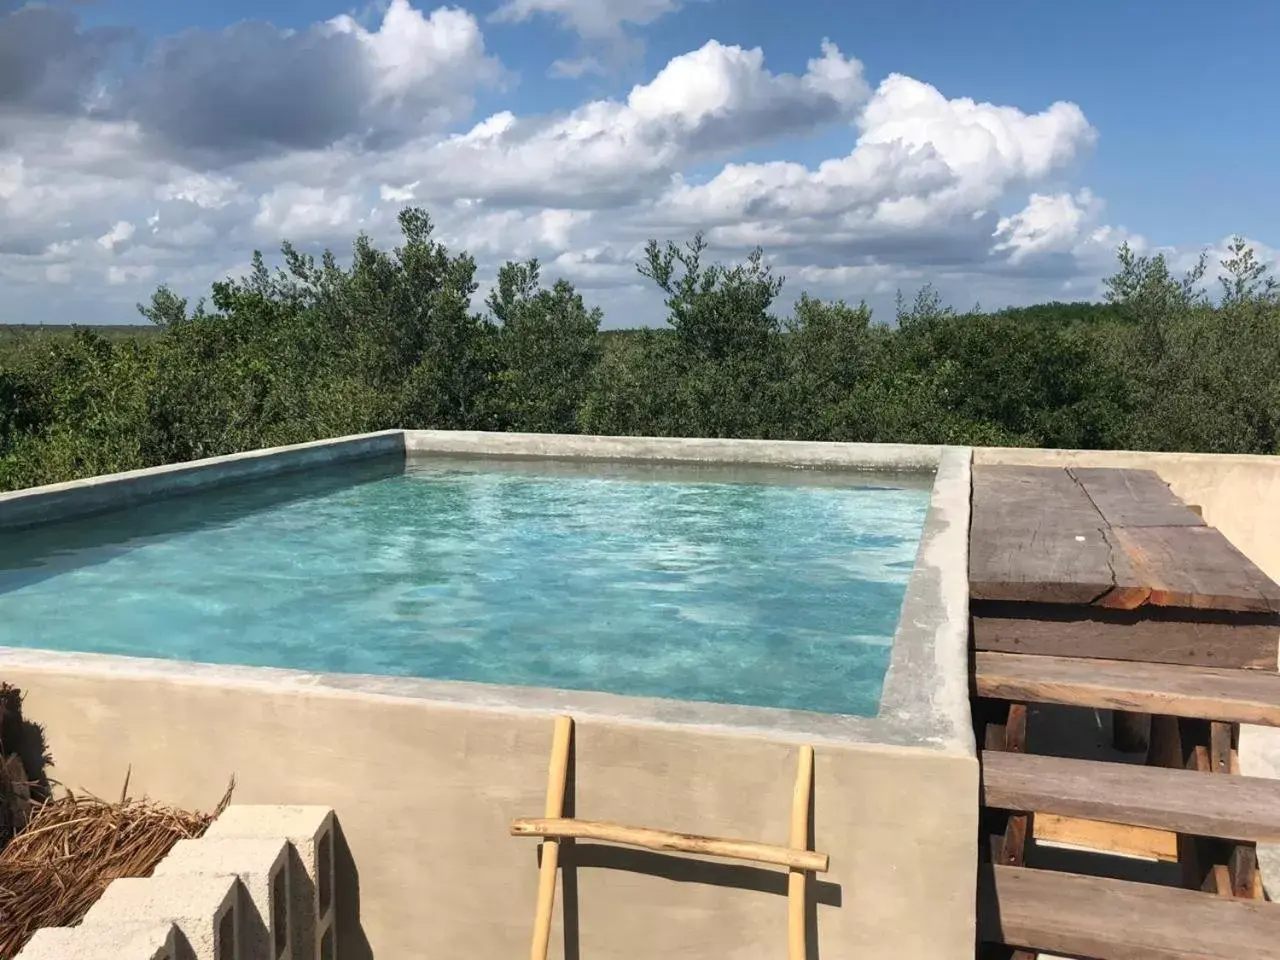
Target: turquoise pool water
{"x":770,"y":589}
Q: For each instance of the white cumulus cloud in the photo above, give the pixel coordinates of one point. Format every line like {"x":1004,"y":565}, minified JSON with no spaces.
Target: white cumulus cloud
{"x":180,"y":166}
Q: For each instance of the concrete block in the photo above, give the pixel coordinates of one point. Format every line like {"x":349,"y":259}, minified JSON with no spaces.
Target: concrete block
{"x":142,"y":941}
{"x":310,"y":831}
{"x":205,"y":909}
{"x":263,"y":869}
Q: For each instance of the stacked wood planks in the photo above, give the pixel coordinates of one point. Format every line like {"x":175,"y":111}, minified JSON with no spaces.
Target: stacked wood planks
{"x":1099,"y":588}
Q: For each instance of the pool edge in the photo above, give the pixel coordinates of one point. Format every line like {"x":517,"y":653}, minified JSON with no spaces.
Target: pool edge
{"x":79,"y":498}
{"x":924,"y":700}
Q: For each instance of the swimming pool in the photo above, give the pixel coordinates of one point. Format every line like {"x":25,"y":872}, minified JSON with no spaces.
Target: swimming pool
{"x":776,"y":588}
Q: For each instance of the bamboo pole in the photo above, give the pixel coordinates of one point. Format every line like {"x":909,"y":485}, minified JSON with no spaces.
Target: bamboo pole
{"x":797,"y":879}
{"x":557,"y":774}
{"x":651,"y":839}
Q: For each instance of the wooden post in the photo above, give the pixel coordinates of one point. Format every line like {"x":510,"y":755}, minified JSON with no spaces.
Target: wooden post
{"x":557,"y":775}
{"x":796,"y":880}
{"x":1130,"y":732}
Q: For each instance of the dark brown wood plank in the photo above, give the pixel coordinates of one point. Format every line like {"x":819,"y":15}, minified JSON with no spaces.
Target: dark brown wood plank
{"x":1151,"y":634}
{"x":1014,"y":846}
{"x":1134,"y":498}
{"x":1166,"y":748}
{"x":993,"y":736}
{"x":1015,"y":729}
{"x":1236,"y":696}
{"x":1182,"y":801}
{"x":1243,"y":870}
{"x":1217,"y":881}
{"x":1130,"y":732}
{"x":1220,"y":747}
{"x":1106,"y":919}
{"x":1195,"y":567}
{"x":1035,"y":536}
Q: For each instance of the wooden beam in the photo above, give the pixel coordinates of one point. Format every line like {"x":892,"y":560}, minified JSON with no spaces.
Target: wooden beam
{"x":651,"y":839}
{"x":1192,"y":567}
{"x":1217,"y":881}
{"x":1130,"y":732}
{"x":799,"y":839}
{"x":1073,"y":915}
{"x":1179,"y":801}
{"x":1220,"y":735}
{"x":1235,"y":696}
{"x":1120,"y":839}
{"x":1243,"y":870}
{"x":1015,"y":730}
{"x":1038,"y":537}
{"x":1150,"y":635}
{"x":1035,"y":536}
{"x":557,"y":776}
{"x":1133,"y":498}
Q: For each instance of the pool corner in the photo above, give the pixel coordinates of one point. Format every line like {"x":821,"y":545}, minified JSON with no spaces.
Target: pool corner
{"x":428,"y":772}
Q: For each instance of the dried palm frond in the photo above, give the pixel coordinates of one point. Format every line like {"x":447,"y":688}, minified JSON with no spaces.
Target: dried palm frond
{"x":57,"y":867}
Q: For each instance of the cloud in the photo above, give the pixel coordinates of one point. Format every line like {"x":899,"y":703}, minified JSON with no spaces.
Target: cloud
{"x":215,"y":97}
{"x":304,"y":213}
{"x":917,"y":188}
{"x":601,"y":26}
{"x":702,"y":105}
{"x":48,"y":64}
{"x":117,"y":235}
{"x":592,"y":19}
{"x":254,"y":88}
{"x":174,"y":164}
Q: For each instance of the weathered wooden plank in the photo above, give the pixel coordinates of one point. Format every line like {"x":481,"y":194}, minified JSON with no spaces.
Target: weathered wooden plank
{"x":1166,"y":748}
{"x":1236,"y":696}
{"x":1220,"y":747}
{"x":1217,"y":881}
{"x":1151,"y":634}
{"x":1195,"y":567}
{"x":1119,"y":839}
{"x":1014,"y":845}
{"x":1134,"y":498}
{"x":1181,"y":801}
{"x":1035,"y":536}
{"x":1243,"y":870}
{"x":1015,"y":729}
{"x":1130,"y":732}
{"x":1107,"y":919}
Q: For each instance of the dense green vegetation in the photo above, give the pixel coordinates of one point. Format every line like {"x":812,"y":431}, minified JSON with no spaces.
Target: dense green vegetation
{"x":315,"y":350}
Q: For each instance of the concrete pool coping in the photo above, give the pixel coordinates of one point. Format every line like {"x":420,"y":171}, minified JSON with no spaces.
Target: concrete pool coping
{"x":925,"y":698}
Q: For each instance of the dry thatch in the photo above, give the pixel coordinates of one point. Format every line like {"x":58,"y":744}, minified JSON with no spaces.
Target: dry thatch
{"x":58,"y":855}
{"x":55,"y":869}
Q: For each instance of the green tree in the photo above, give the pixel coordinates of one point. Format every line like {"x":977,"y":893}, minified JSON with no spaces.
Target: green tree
{"x":548,"y":346}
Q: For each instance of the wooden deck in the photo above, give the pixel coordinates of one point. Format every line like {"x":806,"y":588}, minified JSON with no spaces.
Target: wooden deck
{"x":1099,"y":588}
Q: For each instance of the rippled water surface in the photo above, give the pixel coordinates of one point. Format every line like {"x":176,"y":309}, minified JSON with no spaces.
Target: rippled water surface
{"x":771,"y":589}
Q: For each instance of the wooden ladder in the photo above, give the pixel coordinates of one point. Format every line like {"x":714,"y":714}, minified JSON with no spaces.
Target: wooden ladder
{"x":553,"y":827}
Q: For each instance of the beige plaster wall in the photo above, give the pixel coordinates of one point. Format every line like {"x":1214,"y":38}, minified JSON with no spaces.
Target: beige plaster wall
{"x":425,"y":791}
{"x":1240,"y":495}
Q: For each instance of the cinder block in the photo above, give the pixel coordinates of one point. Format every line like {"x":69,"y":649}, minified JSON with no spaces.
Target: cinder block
{"x":310,"y":831}
{"x":205,"y":909}
{"x":263,"y":869}
{"x":145,"y":941}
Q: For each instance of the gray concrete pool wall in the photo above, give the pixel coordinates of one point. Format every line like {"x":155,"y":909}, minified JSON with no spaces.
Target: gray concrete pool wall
{"x":426,"y":775}
{"x":77,"y":498}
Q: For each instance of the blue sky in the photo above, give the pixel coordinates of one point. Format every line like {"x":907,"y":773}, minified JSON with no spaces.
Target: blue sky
{"x":999,"y":150}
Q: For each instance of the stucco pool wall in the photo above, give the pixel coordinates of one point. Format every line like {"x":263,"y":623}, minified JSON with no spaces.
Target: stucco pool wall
{"x":427,"y":775}
{"x":77,"y":498}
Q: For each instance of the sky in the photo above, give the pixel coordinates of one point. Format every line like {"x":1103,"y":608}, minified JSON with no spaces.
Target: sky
{"x":999,"y":150}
